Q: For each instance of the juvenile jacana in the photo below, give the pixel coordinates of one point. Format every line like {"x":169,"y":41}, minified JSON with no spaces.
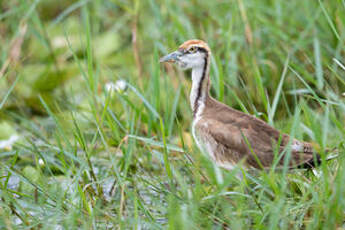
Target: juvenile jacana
{"x":227,"y":135}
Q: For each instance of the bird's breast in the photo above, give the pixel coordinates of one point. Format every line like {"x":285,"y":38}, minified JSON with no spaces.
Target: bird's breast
{"x":209,"y":146}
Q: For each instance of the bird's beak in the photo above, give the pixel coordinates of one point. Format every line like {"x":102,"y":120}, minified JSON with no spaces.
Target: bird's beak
{"x":172,"y":57}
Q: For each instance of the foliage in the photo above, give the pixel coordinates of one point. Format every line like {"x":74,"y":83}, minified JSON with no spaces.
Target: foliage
{"x":92,"y":156}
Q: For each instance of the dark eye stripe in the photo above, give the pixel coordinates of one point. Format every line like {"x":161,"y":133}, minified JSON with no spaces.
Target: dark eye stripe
{"x":194,"y":49}
{"x":202,"y":50}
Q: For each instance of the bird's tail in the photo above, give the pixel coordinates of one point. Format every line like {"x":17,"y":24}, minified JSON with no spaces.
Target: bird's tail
{"x":316,"y":160}
{"x":312,"y":163}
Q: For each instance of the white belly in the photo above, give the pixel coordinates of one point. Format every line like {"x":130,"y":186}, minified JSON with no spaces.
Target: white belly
{"x":208,"y":146}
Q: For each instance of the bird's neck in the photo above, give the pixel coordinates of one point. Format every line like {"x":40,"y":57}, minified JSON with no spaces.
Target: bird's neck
{"x":200,"y":86}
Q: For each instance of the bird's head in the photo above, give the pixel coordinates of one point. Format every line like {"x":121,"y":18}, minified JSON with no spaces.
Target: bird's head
{"x":191,"y":54}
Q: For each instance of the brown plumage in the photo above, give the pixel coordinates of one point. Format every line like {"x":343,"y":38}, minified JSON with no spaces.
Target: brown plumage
{"x":241,"y":136}
{"x":230,"y":136}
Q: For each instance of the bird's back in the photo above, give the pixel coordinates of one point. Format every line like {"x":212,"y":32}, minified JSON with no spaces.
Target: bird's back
{"x":231,"y":136}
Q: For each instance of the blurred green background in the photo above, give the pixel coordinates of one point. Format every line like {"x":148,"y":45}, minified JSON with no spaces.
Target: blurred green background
{"x":79,"y":150}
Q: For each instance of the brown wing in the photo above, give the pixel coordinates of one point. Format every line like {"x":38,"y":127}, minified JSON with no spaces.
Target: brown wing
{"x":251,"y":138}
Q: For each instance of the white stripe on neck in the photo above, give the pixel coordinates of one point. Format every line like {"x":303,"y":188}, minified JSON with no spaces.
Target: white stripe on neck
{"x":197,"y":73}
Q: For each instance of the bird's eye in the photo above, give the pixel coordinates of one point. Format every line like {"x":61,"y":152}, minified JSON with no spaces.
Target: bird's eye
{"x":192,"y":49}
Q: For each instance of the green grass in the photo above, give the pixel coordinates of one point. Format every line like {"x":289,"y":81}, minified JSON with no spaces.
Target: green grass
{"x":95,"y":159}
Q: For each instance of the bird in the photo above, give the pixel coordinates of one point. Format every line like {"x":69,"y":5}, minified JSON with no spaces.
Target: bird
{"x":230,"y":136}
